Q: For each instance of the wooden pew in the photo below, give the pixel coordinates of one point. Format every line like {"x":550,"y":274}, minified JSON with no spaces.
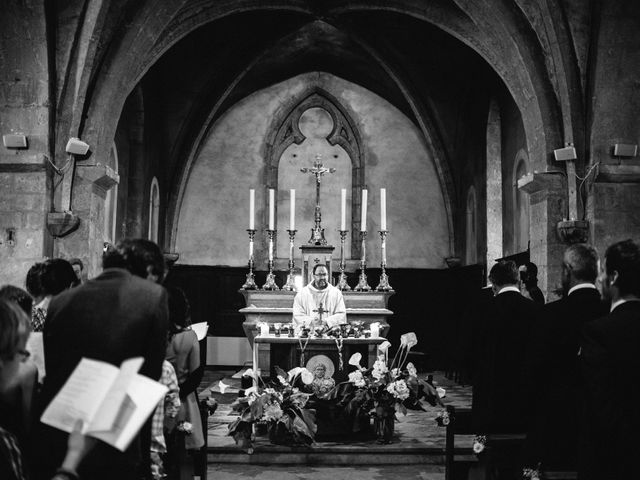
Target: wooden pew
{"x":458,"y":460}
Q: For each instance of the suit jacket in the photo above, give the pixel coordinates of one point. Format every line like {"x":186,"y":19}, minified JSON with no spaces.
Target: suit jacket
{"x":111,"y":318}
{"x":500,"y":397}
{"x":556,"y":379}
{"x":611,"y":364}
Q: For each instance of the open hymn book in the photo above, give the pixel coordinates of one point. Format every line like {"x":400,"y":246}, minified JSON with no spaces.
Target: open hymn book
{"x":112,"y":402}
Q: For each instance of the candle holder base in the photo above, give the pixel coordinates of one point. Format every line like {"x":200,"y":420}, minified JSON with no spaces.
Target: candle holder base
{"x":250,"y":283}
{"x":342,"y":283}
{"x":383,"y":285}
{"x":270,"y":284}
{"x":363,"y":286}
{"x":290,"y":286}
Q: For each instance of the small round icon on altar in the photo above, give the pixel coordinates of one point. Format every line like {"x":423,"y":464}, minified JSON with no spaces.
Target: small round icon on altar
{"x":323,"y":369}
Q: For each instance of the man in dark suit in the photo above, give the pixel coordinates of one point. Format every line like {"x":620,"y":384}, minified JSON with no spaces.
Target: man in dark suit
{"x":555,"y":371}
{"x":499,"y":402}
{"x":116,"y":316}
{"x":611,"y":364}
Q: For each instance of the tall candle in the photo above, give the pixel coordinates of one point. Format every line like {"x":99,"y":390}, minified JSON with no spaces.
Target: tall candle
{"x":271,"y":208}
{"x":292,"y":218}
{"x":363,"y":218}
{"x":252,"y":208}
{"x":383,"y":209}
{"x":343,"y":216}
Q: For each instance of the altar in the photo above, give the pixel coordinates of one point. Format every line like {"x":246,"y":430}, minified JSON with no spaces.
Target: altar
{"x":289,"y":352}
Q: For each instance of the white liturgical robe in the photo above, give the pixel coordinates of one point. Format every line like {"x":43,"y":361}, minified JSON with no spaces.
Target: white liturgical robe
{"x":309,"y":298}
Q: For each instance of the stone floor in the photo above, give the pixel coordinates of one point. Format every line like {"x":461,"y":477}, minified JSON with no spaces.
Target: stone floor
{"x":416,"y":451}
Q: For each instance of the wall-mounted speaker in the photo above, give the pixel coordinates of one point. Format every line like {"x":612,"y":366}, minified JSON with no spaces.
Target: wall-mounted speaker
{"x":77,"y":146}
{"x":564,"y":154}
{"x":625,"y":150}
{"x":14,"y":141}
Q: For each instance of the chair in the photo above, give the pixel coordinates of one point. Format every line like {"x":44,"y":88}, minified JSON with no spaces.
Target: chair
{"x":458,"y":460}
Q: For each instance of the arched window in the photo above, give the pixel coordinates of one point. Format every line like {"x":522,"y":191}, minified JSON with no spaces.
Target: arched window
{"x":520,"y":205}
{"x":494,"y":184}
{"x":154,"y":210}
{"x":111,"y":202}
{"x":471,"y":228}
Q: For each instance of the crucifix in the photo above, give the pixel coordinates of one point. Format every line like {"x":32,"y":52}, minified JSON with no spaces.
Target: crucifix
{"x":317,"y":232}
{"x":320,"y":310}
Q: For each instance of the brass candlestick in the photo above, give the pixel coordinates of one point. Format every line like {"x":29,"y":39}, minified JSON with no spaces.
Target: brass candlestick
{"x":250,"y":283}
{"x":342,"y":279}
{"x":363,"y":286}
{"x":383,"y":285}
{"x":290,"y":285}
{"x":270,"y":283}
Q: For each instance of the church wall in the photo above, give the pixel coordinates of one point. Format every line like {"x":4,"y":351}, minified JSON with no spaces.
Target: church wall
{"x":214,"y":213}
{"x":513,"y":140}
{"x":614,"y":207}
{"x":24,"y":101}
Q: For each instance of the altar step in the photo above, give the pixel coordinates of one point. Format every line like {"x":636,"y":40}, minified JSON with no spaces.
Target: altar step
{"x":346,"y":455}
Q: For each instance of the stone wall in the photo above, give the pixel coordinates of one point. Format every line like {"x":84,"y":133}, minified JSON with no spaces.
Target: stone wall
{"x":215,"y":207}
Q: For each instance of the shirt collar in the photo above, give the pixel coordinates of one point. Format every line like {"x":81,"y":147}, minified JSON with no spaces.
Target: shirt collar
{"x":509,"y":288}
{"x":581,"y":286}
{"x":620,"y":301}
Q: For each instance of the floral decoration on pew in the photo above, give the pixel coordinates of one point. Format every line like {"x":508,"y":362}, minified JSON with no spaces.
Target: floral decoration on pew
{"x":277,"y":407}
{"x":386,"y":388}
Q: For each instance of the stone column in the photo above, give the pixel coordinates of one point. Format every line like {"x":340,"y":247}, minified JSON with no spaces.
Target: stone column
{"x":86,"y":242}
{"x":548,"y":206}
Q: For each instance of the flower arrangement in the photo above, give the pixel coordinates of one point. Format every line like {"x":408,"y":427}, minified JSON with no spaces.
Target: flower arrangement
{"x":386,"y":388}
{"x":185,"y":427}
{"x":279,"y":407}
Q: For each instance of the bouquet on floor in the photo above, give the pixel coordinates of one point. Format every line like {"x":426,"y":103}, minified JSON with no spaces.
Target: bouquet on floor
{"x":278,"y":408}
{"x":386,"y":388}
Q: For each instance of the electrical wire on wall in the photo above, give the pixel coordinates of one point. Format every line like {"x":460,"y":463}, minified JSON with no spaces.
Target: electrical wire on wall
{"x":584,"y":187}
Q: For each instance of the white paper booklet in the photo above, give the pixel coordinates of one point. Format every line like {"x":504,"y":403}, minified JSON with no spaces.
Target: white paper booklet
{"x":112,"y":402}
{"x":200,"y":329}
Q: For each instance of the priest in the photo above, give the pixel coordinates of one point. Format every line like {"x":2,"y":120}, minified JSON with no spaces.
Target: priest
{"x":317,"y":299}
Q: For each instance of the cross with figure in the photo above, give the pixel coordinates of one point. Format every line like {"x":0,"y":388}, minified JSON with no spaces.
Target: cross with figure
{"x":320,"y":311}
{"x":318,"y":170}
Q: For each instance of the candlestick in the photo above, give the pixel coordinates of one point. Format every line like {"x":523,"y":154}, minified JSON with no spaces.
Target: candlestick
{"x":250,"y":283}
{"x":383,"y":285}
{"x":292,"y":213}
{"x":363,"y":211}
{"x":342,"y":279}
{"x":271,"y":208}
{"x":383,"y":209}
{"x":291,"y":284}
{"x":343,"y":211}
{"x":363,"y":286}
{"x":252,"y":208}
{"x":270,"y":283}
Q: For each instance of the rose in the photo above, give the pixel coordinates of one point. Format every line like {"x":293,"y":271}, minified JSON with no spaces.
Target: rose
{"x":411,"y":369}
{"x":399,"y":389}
{"x":185,"y":427}
{"x":379,"y":369}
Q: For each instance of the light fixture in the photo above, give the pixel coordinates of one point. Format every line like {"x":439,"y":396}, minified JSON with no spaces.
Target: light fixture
{"x":14,"y":140}
{"x":76,"y":146}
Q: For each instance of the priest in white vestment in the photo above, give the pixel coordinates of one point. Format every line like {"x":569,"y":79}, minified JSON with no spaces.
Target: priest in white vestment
{"x":319,"y":292}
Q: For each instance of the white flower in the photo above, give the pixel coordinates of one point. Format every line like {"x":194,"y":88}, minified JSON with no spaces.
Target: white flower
{"x":185,"y":427}
{"x":399,"y":389}
{"x":355,"y":360}
{"x":441,"y":392}
{"x":282,"y":380}
{"x":306,"y":376}
{"x":408,"y":340}
{"x":272,"y":411}
{"x":395,"y":372}
{"x":384,"y":346}
{"x":223,"y":386}
{"x":412,"y":370}
{"x":249,"y":373}
{"x":478,"y":447}
{"x":293,"y":372}
{"x":357,"y":379}
{"x":379,"y":369}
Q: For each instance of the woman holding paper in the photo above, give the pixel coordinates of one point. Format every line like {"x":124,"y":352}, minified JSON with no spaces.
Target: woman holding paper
{"x":14,"y":332}
{"x":183,"y":352}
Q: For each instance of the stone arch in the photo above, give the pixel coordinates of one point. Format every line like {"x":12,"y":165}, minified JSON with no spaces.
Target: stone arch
{"x":154,"y":210}
{"x":471,"y":227}
{"x":520,"y":203}
{"x":494,"y":183}
{"x":285,"y":131}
